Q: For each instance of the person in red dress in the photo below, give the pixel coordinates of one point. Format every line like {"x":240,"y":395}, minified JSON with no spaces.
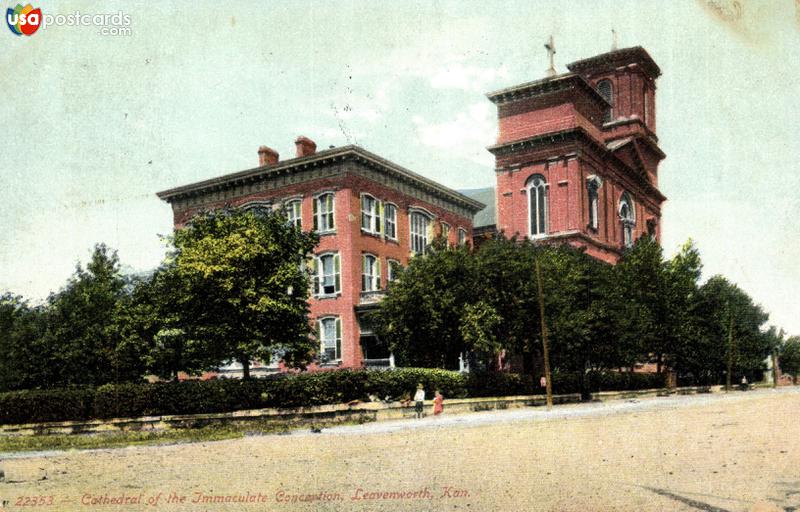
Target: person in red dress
{"x":438,"y":405}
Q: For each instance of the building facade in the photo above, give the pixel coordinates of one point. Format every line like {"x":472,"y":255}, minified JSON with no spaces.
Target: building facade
{"x":371,"y":215}
{"x":577,"y":155}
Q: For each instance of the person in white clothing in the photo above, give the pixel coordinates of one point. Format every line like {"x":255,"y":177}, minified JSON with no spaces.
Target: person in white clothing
{"x":419,"y":400}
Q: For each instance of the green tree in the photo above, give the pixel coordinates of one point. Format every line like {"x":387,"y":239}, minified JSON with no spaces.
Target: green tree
{"x":421,"y":316}
{"x":244,"y":290}
{"x":81,"y":323}
{"x":23,"y":356}
{"x":789,"y":357}
{"x":721,"y":306}
{"x":656,"y":307}
{"x":506,"y":280}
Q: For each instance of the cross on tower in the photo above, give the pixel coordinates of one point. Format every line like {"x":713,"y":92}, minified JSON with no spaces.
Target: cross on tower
{"x":551,"y":51}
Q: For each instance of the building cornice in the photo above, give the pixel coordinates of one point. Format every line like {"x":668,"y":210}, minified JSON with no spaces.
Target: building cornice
{"x":575,"y":135}
{"x":545,"y":86}
{"x":613,"y":59}
{"x":319,"y":160}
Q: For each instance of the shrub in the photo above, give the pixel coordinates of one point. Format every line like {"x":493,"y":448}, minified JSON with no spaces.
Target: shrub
{"x":39,"y":406}
{"x":286,"y":390}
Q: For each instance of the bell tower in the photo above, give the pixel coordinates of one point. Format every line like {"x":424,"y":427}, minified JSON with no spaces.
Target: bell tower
{"x":576,"y":158}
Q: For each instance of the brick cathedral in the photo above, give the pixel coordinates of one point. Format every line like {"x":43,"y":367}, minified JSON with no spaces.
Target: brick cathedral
{"x":576,"y":162}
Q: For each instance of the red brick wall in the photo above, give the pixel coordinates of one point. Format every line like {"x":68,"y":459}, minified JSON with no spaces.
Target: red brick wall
{"x":349,"y":241}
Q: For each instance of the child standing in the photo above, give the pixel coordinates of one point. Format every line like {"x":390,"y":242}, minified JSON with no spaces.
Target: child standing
{"x":419,"y":400}
{"x":438,"y":403}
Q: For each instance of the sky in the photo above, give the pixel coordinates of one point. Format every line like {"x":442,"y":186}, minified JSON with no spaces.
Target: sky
{"x":96,"y":124}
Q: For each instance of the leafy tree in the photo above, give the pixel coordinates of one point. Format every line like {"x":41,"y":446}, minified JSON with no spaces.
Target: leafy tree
{"x":23,"y":361}
{"x":244,"y":290}
{"x":421,"y":316}
{"x":507,"y":282}
{"x":722,"y":308}
{"x":789,"y":357}
{"x":582,"y":326}
{"x":656,"y":305}
{"x":81,"y":325}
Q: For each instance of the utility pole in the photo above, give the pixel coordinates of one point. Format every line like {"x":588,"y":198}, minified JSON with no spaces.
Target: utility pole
{"x":545,"y":346}
{"x":730,"y":349}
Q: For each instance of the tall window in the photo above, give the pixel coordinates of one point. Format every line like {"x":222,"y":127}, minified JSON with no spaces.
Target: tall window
{"x":327,"y":275}
{"x":390,"y":220}
{"x":446,"y":232}
{"x":606,"y":90}
{"x":323,"y":212}
{"x":537,"y":205}
{"x":259,"y":208}
{"x":462,"y":236}
{"x":420,"y":223}
{"x":330,"y":337}
{"x":593,"y":184}
{"x":371,"y":215}
{"x":392,"y":270}
{"x":627,"y":216}
{"x":370,"y":273}
{"x":294,"y":212}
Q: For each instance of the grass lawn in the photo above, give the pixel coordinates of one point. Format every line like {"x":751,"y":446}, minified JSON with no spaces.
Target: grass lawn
{"x":23,"y":443}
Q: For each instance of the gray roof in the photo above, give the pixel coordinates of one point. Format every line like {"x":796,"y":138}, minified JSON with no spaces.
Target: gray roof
{"x":487,"y":216}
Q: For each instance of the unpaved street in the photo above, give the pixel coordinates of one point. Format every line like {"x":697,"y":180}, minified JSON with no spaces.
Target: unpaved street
{"x":732,"y":452}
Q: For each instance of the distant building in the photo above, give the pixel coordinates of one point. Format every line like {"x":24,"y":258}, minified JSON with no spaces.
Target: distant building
{"x":371,"y":214}
{"x":576,"y":158}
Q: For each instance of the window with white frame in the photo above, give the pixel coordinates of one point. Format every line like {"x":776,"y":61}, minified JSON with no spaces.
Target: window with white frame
{"x":420,"y":225}
{"x":370,"y":273}
{"x":371,"y":215}
{"x":446,"y":232}
{"x":390,"y":220}
{"x":606,"y":90}
{"x":327,"y":275}
{"x":462,"y":236}
{"x":392,"y":270}
{"x":259,"y":208}
{"x":323,"y":212}
{"x":627,"y":215}
{"x":294,"y":210}
{"x":537,"y":206}
{"x":330,"y":338}
{"x":593,"y":184}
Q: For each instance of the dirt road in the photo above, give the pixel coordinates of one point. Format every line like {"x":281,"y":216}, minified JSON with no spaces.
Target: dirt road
{"x":734,"y":452}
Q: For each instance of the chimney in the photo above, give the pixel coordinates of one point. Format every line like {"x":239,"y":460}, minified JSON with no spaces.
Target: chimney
{"x":267,"y":156}
{"x":305,"y":146}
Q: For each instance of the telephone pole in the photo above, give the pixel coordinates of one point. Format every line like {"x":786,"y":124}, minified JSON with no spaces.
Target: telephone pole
{"x":730,"y":349}
{"x":545,"y":346}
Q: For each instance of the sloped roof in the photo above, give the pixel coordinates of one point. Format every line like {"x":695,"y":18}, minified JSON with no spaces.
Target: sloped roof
{"x":487,"y":216}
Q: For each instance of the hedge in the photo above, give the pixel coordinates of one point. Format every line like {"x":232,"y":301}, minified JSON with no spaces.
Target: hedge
{"x":285,"y":390}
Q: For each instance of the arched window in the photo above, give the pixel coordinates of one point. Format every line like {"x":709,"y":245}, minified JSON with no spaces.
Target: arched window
{"x":259,"y":208}
{"x":537,"y":205}
{"x":593,"y":184}
{"x":390,"y":220}
{"x":371,"y":215}
{"x":370,"y":273}
{"x":294,"y":212}
{"x":462,"y":236}
{"x":323,"y":212}
{"x":330,"y":338}
{"x":420,"y":227}
{"x":627,"y":215}
{"x":326,"y":275}
{"x":606,"y":90}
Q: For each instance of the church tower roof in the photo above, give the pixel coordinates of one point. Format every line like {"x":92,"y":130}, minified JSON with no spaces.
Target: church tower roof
{"x":614,"y":59}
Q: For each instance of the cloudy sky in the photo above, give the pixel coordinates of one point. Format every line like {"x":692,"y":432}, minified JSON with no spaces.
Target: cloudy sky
{"x":96,"y":124}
